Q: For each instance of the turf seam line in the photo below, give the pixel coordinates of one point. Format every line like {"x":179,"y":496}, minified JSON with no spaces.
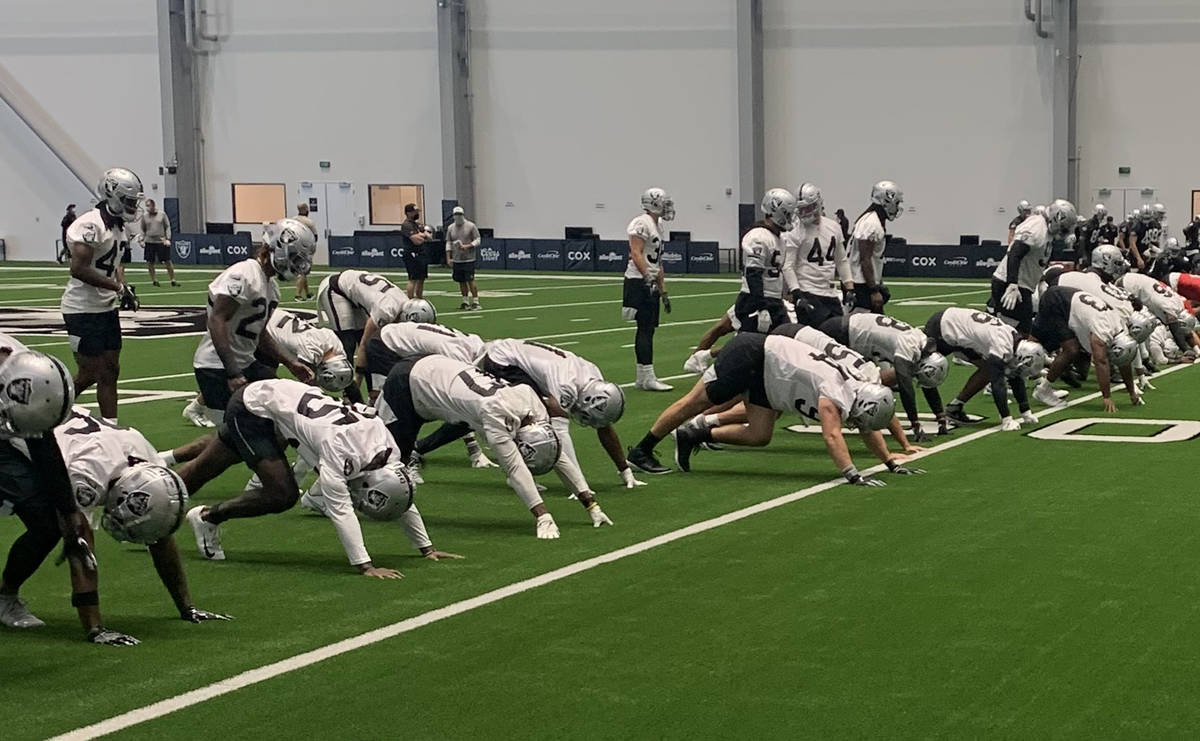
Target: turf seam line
{"x":308,"y":658}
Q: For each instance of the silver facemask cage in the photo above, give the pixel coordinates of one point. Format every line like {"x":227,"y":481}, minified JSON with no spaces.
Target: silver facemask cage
{"x":779,"y":208}
{"x":385,"y":493}
{"x":120,"y":191}
{"x":145,"y":505}
{"x":887,"y":194}
{"x":809,"y":204}
{"x":539,"y":447}
{"x":36,"y":394}
{"x":932,"y":370}
{"x":600,"y":404}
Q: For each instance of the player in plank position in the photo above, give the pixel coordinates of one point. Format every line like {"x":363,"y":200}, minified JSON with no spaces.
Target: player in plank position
{"x":356,"y":304}
{"x":1168,"y":306}
{"x":1018,"y":274}
{"x":117,"y":471}
{"x":512,"y":419}
{"x":999,"y":355}
{"x":1072,"y":321}
{"x":317,"y":348}
{"x":355,"y":457}
{"x":240,"y":302}
{"x":814,"y":256}
{"x":777,"y":374}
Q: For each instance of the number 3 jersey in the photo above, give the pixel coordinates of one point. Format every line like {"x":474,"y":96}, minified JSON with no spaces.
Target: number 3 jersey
{"x":762,"y":250}
{"x":256,"y":296}
{"x":89,"y":229}
{"x":813,"y":254}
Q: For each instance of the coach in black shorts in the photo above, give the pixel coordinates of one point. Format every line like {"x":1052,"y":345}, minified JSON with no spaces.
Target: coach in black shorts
{"x":416,"y":262}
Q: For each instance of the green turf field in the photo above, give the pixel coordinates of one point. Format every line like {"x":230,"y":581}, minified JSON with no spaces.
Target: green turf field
{"x":1024,"y":588}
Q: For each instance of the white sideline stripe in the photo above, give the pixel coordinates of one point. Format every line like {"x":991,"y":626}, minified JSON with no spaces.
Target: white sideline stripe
{"x":525,"y":318}
{"x":308,"y":658}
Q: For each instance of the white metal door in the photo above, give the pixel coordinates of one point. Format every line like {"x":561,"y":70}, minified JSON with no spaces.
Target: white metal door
{"x":339,"y":207}
{"x":1120,"y":201}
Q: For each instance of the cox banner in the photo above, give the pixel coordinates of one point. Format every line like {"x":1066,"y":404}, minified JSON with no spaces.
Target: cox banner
{"x":236,"y":247}
{"x":580,"y":255}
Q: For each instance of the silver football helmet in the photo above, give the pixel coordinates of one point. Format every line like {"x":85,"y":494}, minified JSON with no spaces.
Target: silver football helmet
{"x":656,"y":201}
{"x":874,"y":406}
{"x":292,"y":246}
{"x":1122,"y":349}
{"x":36,"y":394}
{"x":420,"y":311}
{"x":1135,"y":215}
{"x":120,"y":191}
{"x":334,"y":374}
{"x":887,"y":194}
{"x":1146,"y":214}
{"x":932,"y":370}
{"x":1024,"y":208}
{"x":1108,"y":259}
{"x":600,"y":404}
{"x":1039,"y":210}
{"x":1186,"y":320}
{"x":1172,"y":248}
{"x":809,"y":204}
{"x":1158,"y":212}
{"x":1028,"y":359}
{"x":539,"y":446}
{"x":383,"y":493}
{"x":1141,"y":325}
{"x":1100,"y":211}
{"x":779,"y":208}
{"x":1061,"y":216}
{"x":145,"y":504}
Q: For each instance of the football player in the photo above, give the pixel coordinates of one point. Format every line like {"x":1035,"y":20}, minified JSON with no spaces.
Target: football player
{"x":1168,"y":306}
{"x":356,"y":304}
{"x":644,"y":282}
{"x":1023,"y":210}
{"x":355,"y":457}
{"x":814,"y":255}
{"x":571,"y":388}
{"x":1191,"y":237}
{"x":106,"y":463}
{"x":90,"y":301}
{"x":1143,"y":236}
{"x":317,"y":348}
{"x":867,"y":243}
{"x":1169,"y":259}
{"x":512,"y":419}
{"x":759,"y":306}
{"x":1018,"y":274}
{"x":1070,"y":320}
{"x":999,"y":354}
{"x":777,"y":374}
{"x":240,"y":302}
{"x":1089,"y":234}
{"x":35,"y":486}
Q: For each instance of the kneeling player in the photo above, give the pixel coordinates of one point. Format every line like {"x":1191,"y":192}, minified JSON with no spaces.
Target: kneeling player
{"x":778,"y":374}
{"x":356,"y":460}
{"x":512,"y":419}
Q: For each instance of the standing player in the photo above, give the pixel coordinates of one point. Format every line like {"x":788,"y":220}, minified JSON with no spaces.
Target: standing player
{"x":644,"y":282}
{"x":317,"y":348}
{"x":1023,"y":211}
{"x":355,"y":457}
{"x":998,"y":353}
{"x":416,"y":262}
{"x":156,"y":241}
{"x":302,"y":292}
{"x":89,"y":303}
{"x":759,"y":305}
{"x":462,"y":239}
{"x":867,"y":243}
{"x":814,"y":255}
{"x":240,"y":302}
{"x":1090,"y":233}
{"x":1018,"y":274}
{"x":512,"y":419}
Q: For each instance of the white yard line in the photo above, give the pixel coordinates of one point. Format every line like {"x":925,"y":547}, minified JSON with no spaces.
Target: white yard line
{"x":308,"y":658}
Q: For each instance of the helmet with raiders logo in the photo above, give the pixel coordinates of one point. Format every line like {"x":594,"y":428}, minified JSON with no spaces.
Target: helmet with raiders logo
{"x":656,"y":201}
{"x":1141,"y":325}
{"x":1158,"y":212}
{"x":1028,"y":359}
{"x":1024,"y":208}
{"x":810,"y":203}
{"x":1172,"y":248}
{"x":383,"y":493}
{"x":1186,"y":320}
{"x":779,"y":208}
{"x":335,"y":373}
{"x":874,"y":406}
{"x":1108,"y":259}
{"x":292,"y":245}
{"x":600,"y":404}
{"x":539,"y":447}
{"x":887,"y":194}
{"x":120,"y":191}
{"x":36,"y":394}
{"x":1122,"y":349}
{"x":931,"y":370}
{"x":145,"y":504}
{"x":1061,"y":216}
{"x":418,"y":310}
{"x":1100,"y":211}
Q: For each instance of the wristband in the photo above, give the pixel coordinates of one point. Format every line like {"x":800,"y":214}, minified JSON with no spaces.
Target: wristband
{"x":891,"y":464}
{"x":85,"y":599}
{"x":851,"y":473}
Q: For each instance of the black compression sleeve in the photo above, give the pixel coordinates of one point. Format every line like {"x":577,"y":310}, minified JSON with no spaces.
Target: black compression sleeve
{"x":50,"y":472}
{"x":999,"y":393}
{"x":1020,"y":393}
{"x":754,"y":281}
{"x":904,"y":386}
{"x":1016,"y":253}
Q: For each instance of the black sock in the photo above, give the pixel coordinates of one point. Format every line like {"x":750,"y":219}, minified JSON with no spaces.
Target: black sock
{"x":648,"y":442}
{"x":643,"y":345}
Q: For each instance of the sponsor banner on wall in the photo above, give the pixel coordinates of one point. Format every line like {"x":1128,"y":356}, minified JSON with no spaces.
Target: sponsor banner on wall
{"x":611,"y":255}
{"x":490,"y":255}
{"x":183,"y":249}
{"x":236,"y":247}
{"x":579,"y":255}
{"x":518,"y":254}
{"x":548,"y":254}
{"x":209,"y":250}
{"x":372,"y":251}
{"x":342,"y":252}
{"x":703,"y":257}
{"x":673,"y":257}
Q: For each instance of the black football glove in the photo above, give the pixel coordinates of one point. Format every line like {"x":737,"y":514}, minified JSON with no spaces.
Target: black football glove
{"x":106,"y":637}
{"x":919,"y":435}
{"x":666,"y":303}
{"x":867,"y":481}
{"x":195,"y":615}
{"x":129,"y":299}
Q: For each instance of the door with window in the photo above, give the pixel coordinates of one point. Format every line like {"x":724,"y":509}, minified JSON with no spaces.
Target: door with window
{"x":331,"y":206}
{"x":1120,"y":201}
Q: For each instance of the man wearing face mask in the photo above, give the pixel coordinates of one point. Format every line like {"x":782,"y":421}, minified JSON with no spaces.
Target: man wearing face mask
{"x":462,"y":238}
{"x":416,"y":263}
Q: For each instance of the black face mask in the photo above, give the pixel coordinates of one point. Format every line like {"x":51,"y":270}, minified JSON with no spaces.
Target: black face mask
{"x":415,"y":215}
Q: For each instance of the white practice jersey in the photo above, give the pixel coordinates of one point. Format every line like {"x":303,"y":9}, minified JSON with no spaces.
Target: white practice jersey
{"x":815,"y":257}
{"x":849,"y":360}
{"x":1089,"y":315}
{"x":559,"y":373}
{"x":12,"y":343}
{"x":410,"y":340}
{"x":1033,"y":232}
{"x":984,"y":334}
{"x":339,"y":439}
{"x":303,"y":338}
{"x":796,"y":376}
{"x":644,"y":228}
{"x":884,"y":338}
{"x":1113,"y":296}
{"x":256,"y":295}
{"x":1158,"y":297}
{"x":454,"y":391}
{"x":1162,"y":346}
{"x":763,"y":250}
{"x":98,"y":452}
{"x":868,"y":228}
{"x":373,"y":294}
{"x":89,"y":229}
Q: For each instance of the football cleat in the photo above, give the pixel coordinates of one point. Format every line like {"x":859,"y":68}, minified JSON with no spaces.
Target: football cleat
{"x":1044,"y":393}
{"x":15,"y":614}
{"x":645,"y":462}
{"x":195,"y":414}
{"x":955,"y":413}
{"x":208,"y":535}
{"x":686,"y":441}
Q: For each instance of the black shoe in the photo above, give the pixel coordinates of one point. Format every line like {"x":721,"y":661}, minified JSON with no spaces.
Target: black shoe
{"x":1071,"y":378}
{"x":645,"y":462}
{"x":156,"y":284}
{"x":687,"y":439}
{"x":175,"y":283}
{"x":956,"y":415}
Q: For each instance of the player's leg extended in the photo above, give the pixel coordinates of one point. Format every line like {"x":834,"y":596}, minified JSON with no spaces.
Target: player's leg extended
{"x":279,"y":493}
{"x":722,"y":327}
{"x":757,"y":430}
{"x":106,"y":383}
{"x":213,"y":458}
{"x":641,"y":456}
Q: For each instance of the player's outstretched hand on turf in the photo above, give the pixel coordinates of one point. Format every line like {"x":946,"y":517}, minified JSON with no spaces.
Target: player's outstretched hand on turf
{"x":106,"y":637}
{"x":380,"y":573}
{"x":439,"y":555}
{"x":482,"y":461}
{"x":913,"y":449}
{"x":629,"y":480}
{"x":868,"y":481}
{"x":906,"y":471}
{"x":1109,"y":406}
{"x":597,"y":515}
{"x":196,"y":615}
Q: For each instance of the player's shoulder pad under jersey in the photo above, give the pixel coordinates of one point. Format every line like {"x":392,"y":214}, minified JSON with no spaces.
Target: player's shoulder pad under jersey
{"x":868,"y":228}
{"x":642,"y":226}
{"x":1032,"y":231}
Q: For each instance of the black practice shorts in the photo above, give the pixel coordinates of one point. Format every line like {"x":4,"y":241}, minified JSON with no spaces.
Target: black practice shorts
{"x":933,"y":331}
{"x":1051,"y":327}
{"x":380,"y":358}
{"x":214,"y":384}
{"x":463,"y":272}
{"x":862,"y":296}
{"x":1021,"y":315}
{"x":416,"y":264}
{"x":254,"y":438}
{"x":739,"y":370}
{"x":94,"y":334}
{"x":157,"y":252}
{"x":814,"y":310}
{"x":511,"y":373}
{"x":748,"y":317}
{"x":397,"y":394}
{"x":19,"y":486}
{"x":126,"y":254}
{"x":638,"y":303}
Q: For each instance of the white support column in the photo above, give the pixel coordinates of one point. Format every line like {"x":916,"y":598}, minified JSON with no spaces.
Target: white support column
{"x":454,"y":75}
